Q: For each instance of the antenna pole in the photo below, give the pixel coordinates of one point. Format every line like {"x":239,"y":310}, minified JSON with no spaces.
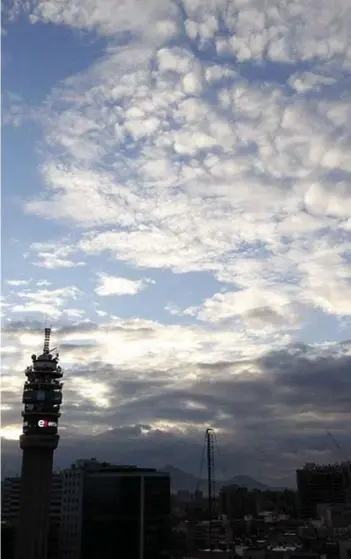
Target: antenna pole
{"x":47,"y":333}
{"x":211,"y":480}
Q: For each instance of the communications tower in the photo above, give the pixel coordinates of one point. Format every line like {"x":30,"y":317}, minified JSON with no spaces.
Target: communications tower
{"x":42,"y":397}
{"x":211,"y":487}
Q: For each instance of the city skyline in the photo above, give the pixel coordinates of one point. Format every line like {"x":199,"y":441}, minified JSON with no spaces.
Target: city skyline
{"x":176,"y":204}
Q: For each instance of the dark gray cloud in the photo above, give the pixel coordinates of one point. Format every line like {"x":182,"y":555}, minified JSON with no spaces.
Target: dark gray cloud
{"x":271,"y":413}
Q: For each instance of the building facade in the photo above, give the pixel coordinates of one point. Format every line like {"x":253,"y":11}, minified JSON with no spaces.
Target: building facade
{"x":97,"y":509}
{"x":321,"y":484}
{"x":237,"y":502}
{"x":108,"y":508}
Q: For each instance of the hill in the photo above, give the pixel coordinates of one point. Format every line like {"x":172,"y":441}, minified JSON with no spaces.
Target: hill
{"x":182,"y":481}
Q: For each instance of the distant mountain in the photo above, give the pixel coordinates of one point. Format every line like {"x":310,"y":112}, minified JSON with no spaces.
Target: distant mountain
{"x":245,"y":481}
{"x":182,"y":481}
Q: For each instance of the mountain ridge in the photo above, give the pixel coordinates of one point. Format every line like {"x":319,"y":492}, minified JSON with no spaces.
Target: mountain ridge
{"x":184,"y":481}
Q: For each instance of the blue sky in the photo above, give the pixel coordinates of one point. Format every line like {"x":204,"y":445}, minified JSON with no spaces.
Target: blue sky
{"x":177,"y":166}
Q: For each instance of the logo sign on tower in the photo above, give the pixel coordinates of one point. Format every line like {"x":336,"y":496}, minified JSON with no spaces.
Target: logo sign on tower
{"x":46,"y":423}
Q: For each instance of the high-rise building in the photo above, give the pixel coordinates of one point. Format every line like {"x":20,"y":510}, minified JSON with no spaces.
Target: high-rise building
{"x":109,"y":510}
{"x":42,"y":397}
{"x":321,"y":484}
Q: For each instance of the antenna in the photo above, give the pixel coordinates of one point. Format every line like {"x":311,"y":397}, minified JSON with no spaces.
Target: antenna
{"x":47,"y":333}
{"x":211,"y":483}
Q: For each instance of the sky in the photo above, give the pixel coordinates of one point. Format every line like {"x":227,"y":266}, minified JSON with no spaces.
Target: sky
{"x":176,"y":188}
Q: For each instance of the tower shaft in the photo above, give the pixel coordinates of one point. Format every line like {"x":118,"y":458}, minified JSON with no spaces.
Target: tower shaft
{"x":33,"y":523}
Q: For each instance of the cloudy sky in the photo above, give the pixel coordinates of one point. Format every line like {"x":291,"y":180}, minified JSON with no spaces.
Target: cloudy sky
{"x":177,"y":204}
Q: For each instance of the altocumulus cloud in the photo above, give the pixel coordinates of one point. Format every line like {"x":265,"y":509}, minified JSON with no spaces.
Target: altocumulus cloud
{"x":214,"y":140}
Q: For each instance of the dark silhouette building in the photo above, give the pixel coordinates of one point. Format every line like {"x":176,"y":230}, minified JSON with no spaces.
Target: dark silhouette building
{"x":321,"y":484}
{"x":42,"y":397}
{"x":11,"y":489}
{"x":8,"y":537}
{"x":237,"y":502}
{"x":111,"y":510}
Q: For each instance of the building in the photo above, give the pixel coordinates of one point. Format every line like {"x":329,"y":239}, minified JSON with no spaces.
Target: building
{"x":42,"y":397}
{"x":8,"y":538}
{"x":345,"y":549}
{"x":96,"y":508}
{"x":321,"y":484}
{"x":10,"y":500}
{"x":55,"y":517}
{"x":335,"y":515}
{"x":10,"y":510}
{"x":108,"y":509}
{"x":237,"y":502}
{"x":219,"y":534}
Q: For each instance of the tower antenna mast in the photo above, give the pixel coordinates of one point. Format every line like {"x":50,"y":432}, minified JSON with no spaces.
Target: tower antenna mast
{"x":47,"y":333}
{"x":210,"y":439}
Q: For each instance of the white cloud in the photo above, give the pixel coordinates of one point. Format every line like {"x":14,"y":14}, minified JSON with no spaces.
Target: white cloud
{"x":101,"y":313}
{"x":54,"y":255}
{"x":142,"y":346}
{"x":115,"y":285}
{"x":74,"y":313}
{"x":173,"y":310}
{"x":334,"y":202}
{"x":207,"y":201}
{"x":254,"y":308}
{"x":16,"y":283}
{"x":309,"y":81}
{"x":228,"y":175}
{"x":43,"y":283}
{"x":92,"y":391}
{"x":327,"y":281}
{"x":11,"y":432}
{"x":51,"y":262}
{"x":49,"y":302}
{"x":17,"y":112}
{"x":109,"y":17}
